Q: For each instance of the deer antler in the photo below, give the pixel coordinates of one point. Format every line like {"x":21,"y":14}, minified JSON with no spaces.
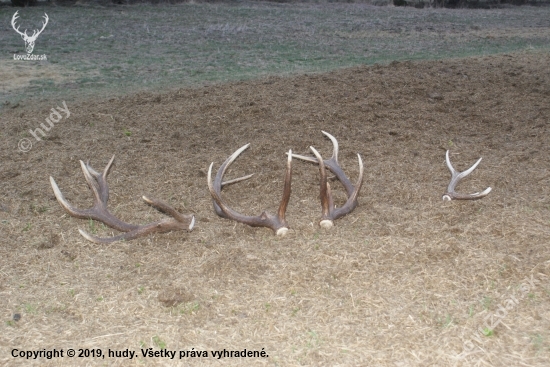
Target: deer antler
{"x":276,"y":222}
{"x":98,"y":185}
{"x":455,"y":179}
{"x":330,"y":212}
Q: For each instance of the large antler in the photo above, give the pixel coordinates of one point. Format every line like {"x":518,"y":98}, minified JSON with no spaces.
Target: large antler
{"x":455,"y":179}
{"x":98,"y":185}
{"x":330,"y":212}
{"x":276,"y":222}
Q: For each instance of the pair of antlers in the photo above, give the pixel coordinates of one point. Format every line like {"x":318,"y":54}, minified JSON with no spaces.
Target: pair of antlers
{"x":278,"y":222}
{"x":98,"y":185}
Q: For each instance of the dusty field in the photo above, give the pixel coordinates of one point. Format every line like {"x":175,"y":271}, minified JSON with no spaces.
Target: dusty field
{"x":404,"y":280}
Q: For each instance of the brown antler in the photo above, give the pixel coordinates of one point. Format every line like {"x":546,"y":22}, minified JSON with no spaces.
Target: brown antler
{"x":276,"y":222}
{"x":330,"y":212}
{"x":455,"y":179}
{"x":98,"y":184}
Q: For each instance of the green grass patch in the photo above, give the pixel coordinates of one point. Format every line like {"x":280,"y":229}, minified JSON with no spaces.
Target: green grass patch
{"x":168,"y":46}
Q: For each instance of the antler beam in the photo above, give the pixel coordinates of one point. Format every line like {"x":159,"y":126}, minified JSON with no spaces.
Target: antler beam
{"x":277,"y":222}
{"x":98,"y":185}
{"x":329,"y":212}
{"x":455,"y":179}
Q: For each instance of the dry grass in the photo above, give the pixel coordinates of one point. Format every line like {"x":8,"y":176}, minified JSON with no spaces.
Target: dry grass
{"x":405,"y":280}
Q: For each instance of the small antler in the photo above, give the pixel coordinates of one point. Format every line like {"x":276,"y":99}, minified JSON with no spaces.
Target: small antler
{"x":455,"y":179}
{"x":276,"y":222}
{"x":330,"y":212}
{"x":98,"y":185}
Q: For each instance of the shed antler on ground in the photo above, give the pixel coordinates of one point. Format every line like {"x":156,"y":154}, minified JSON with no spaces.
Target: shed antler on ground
{"x":276,"y":222}
{"x":98,"y":185}
{"x":455,"y":179}
{"x":330,"y":212}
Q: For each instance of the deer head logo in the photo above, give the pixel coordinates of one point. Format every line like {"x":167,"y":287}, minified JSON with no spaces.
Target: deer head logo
{"x":29,"y":40}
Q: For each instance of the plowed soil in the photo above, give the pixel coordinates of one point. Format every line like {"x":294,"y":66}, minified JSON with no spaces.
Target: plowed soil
{"x":405,"y":279}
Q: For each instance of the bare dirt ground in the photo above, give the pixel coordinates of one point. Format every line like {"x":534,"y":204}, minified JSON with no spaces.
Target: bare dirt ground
{"x":404,"y":280}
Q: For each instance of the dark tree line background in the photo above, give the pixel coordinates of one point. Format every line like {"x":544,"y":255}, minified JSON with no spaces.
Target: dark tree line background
{"x":466,"y":3}
{"x":485,"y":4}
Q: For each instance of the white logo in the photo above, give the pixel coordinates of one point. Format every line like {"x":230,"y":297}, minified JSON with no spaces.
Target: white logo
{"x":29,"y":40}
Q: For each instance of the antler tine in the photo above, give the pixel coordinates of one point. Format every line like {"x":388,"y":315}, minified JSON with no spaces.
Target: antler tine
{"x":325,"y":193}
{"x":329,"y":212}
{"x":334,"y":151}
{"x":99,"y":210}
{"x":277,"y":223}
{"x":228,"y":162}
{"x":98,"y":185}
{"x":235,"y":180}
{"x":334,"y":144}
{"x":286,"y":188}
{"x":106,"y":170}
{"x":332,"y":164}
{"x":221,"y":172}
{"x":455,"y":179}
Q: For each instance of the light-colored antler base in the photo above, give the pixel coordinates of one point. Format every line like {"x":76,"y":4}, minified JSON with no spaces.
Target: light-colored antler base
{"x":326,"y":224}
